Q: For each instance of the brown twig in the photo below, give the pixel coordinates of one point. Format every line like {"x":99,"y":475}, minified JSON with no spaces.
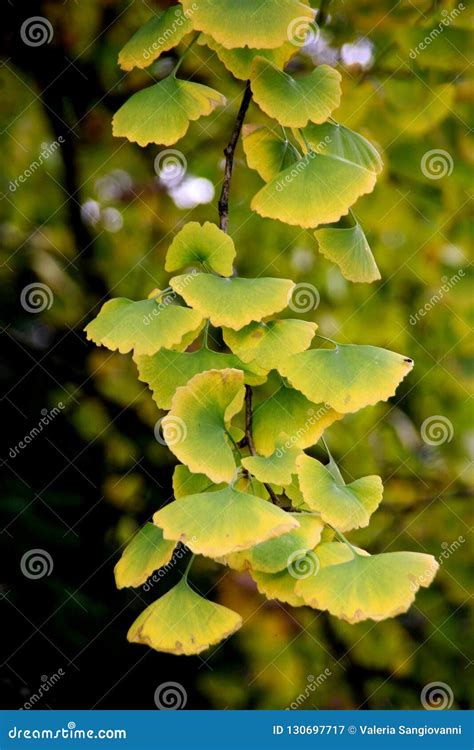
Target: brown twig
{"x":229,"y":152}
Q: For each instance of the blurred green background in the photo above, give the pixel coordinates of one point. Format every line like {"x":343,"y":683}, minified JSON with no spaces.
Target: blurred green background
{"x":94,"y":221}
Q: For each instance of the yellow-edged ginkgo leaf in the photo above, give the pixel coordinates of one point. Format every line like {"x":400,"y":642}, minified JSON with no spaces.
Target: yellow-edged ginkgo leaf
{"x":333,"y":139}
{"x":266,"y":151}
{"x":347,"y":377}
{"x":277,"y":554}
{"x":145,"y":326}
{"x":261,"y":24}
{"x":317,"y":189}
{"x":349,"y":249}
{"x":266,"y":343}
{"x":369,"y":587}
{"x":186,"y":483}
{"x":201,"y":412}
{"x":295,"y":102}
{"x":344,"y":506}
{"x":279,"y":467}
{"x":166,"y":371}
{"x":161,"y":113}
{"x":182,"y":622}
{"x":279,"y":586}
{"x":206,"y":244}
{"x":146,"y":552}
{"x":290,"y":412}
{"x":233,"y":302}
{"x":215,"y":524}
{"x":239,"y":61}
{"x":164,"y":30}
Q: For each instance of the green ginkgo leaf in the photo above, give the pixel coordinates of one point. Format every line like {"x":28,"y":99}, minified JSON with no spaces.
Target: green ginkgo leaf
{"x":349,"y":249}
{"x":145,"y":326}
{"x":166,"y":371}
{"x":186,"y":483}
{"x":277,"y":554}
{"x":218,"y":523}
{"x":369,"y":587}
{"x":206,"y":244}
{"x":279,"y":586}
{"x":182,"y":622}
{"x":162,"y":32}
{"x":317,"y":189}
{"x":344,"y":506}
{"x":288,"y":411}
{"x":239,"y":61}
{"x":294,"y":103}
{"x":147,"y":552}
{"x":201,"y":412}
{"x":278,"y":467}
{"x":161,"y":113}
{"x":266,"y":151}
{"x":234,"y":302}
{"x":266,"y":343}
{"x":347,"y":377}
{"x":263,"y":24}
{"x":332,"y":139}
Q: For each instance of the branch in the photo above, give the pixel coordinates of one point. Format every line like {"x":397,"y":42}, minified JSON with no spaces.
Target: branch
{"x":229,"y":152}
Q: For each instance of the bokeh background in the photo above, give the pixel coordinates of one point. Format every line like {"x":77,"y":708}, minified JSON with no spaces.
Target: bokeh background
{"x":94,"y":221}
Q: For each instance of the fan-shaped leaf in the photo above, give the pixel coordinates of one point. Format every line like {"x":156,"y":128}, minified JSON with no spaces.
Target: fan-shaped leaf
{"x":234,"y":302}
{"x":293,"y":102}
{"x":332,"y":139}
{"x":186,"y":483}
{"x":206,"y":244}
{"x":161,"y":113}
{"x":218,"y":523}
{"x":344,"y":506}
{"x":163,"y":31}
{"x":261,"y":24}
{"x":147,"y":552}
{"x":239,"y":61}
{"x":266,"y":343}
{"x":182,"y":622}
{"x":145,"y":326}
{"x":278,"y":467}
{"x":266,"y":151}
{"x":349,"y":249}
{"x":279,"y":586}
{"x":347,"y":377}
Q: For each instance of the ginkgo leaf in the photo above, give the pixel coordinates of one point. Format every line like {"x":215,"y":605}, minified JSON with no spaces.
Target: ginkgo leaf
{"x":161,"y":113}
{"x":162,"y":32}
{"x":333,"y":139}
{"x":278,"y":467}
{"x":182,"y":622}
{"x":317,"y":189}
{"x":347,"y":377}
{"x":234,"y":302}
{"x":266,"y":151}
{"x":147,"y":552}
{"x":166,"y":371}
{"x":202,"y":410}
{"x":295,"y":102}
{"x":239,"y":61}
{"x":290,"y":412}
{"x":369,"y":587}
{"x":266,"y":343}
{"x":344,"y":506}
{"x":206,"y":244}
{"x":218,"y":523}
{"x":263,"y":24}
{"x":349,"y":249}
{"x":277,"y":554}
{"x":279,"y":586}
{"x":145,"y":326}
{"x":186,"y":483}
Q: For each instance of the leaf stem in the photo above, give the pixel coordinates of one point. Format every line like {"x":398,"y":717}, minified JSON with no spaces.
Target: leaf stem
{"x":188,"y":567}
{"x":178,"y":64}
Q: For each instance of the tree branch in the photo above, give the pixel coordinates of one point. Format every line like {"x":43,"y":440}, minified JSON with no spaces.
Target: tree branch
{"x":229,"y":152}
